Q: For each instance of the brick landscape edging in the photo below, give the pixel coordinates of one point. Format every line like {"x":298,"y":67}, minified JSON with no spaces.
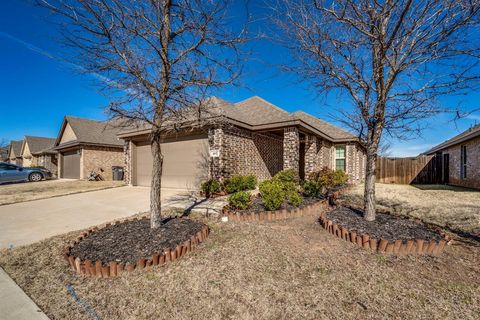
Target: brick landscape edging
{"x":311,"y":209}
{"x":89,"y":268}
{"x":416,"y":246}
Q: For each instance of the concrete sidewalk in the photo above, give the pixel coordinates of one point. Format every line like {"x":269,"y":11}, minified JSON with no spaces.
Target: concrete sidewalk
{"x":14,"y":303}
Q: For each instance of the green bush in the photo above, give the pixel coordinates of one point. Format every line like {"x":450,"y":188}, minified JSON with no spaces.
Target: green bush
{"x":240,"y":183}
{"x":328,"y":179}
{"x":273,"y":194}
{"x":339,"y":178}
{"x":294,"y":198}
{"x":210,"y":186}
{"x":284,"y":176}
{"x":240,"y":200}
{"x":311,"y":189}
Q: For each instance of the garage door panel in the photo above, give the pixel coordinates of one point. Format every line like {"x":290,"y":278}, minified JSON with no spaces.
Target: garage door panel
{"x":185,"y":163}
{"x":71,"y":165}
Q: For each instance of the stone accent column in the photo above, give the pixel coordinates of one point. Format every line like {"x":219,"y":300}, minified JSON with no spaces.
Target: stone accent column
{"x":291,"y":149}
{"x":215,"y":142}
{"x":311,"y":143}
{"x":127,"y":152}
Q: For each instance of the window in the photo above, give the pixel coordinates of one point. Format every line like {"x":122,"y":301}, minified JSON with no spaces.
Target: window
{"x":340,"y":157}
{"x":463,"y":162}
{"x":9,"y":167}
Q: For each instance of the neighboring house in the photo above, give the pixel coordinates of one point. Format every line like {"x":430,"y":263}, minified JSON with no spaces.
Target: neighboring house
{"x":249,"y":137}
{"x":15,"y":152}
{"x":86,"y":145}
{"x":459,"y":159}
{"x":4,"y":154}
{"x":38,"y":151}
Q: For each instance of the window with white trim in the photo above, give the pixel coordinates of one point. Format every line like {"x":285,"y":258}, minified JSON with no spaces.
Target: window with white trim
{"x":340,"y":160}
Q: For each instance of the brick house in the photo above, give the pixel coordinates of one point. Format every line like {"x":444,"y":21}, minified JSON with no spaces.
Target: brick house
{"x":85,"y":145}
{"x":252,"y":137}
{"x":14,"y":152}
{"x":460,"y":159}
{"x":38,"y":151}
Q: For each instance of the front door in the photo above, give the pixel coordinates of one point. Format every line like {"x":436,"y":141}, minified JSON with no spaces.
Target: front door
{"x":446,"y":168}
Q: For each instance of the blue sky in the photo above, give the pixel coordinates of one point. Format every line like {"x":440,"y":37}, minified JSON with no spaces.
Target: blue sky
{"x":37,"y":90}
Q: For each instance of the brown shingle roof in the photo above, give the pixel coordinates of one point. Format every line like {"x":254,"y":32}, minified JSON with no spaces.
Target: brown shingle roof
{"x":323,"y":126}
{"x":255,"y":112}
{"x":16,"y":147}
{"x":38,"y":145}
{"x":464,"y":136}
{"x":94,"y":132}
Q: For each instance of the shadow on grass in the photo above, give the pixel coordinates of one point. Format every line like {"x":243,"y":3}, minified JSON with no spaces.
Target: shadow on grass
{"x":443,"y":187}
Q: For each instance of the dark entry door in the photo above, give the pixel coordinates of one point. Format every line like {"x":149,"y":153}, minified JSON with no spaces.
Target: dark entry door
{"x":446,"y":167}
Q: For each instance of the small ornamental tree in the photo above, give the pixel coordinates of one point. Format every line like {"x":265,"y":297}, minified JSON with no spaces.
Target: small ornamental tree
{"x":155,"y":58}
{"x":392,"y":59}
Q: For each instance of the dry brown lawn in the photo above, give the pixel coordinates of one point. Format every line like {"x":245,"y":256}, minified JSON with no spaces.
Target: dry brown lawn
{"x":289,"y":269}
{"x":20,"y":192}
{"x":457,"y":209}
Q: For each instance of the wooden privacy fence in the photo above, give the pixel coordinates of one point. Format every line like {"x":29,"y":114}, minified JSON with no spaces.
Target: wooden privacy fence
{"x":416,"y":170}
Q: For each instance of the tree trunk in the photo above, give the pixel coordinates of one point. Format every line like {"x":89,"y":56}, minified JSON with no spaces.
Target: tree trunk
{"x":369,"y":193}
{"x":156,"y":188}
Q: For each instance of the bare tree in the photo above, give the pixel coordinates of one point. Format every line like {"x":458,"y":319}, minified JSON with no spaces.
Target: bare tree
{"x":392,"y":59}
{"x":155,"y":58}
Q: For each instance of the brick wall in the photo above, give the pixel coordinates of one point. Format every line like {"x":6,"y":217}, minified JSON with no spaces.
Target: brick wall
{"x":354,"y":162}
{"x":473,"y":164}
{"x":323,"y":155}
{"x":127,"y":154}
{"x":96,"y":158}
{"x":246,"y":152}
{"x":312,"y":159}
{"x":291,"y":148}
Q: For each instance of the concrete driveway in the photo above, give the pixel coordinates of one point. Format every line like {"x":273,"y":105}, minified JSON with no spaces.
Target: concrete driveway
{"x":28,"y":222}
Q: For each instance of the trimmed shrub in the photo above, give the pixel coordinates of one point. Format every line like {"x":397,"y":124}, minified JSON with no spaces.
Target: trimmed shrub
{"x":273,"y":194}
{"x":328,"y":179}
{"x":311,"y":189}
{"x":339,"y":178}
{"x":284,"y":176}
{"x":240,"y":200}
{"x":210,"y":186}
{"x":240,"y":183}
{"x":294,"y":199}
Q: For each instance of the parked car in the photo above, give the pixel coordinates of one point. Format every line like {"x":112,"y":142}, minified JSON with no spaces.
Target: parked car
{"x":13,"y":173}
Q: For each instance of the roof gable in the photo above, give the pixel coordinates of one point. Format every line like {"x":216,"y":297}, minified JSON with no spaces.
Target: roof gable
{"x":15,"y":148}
{"x":86,"y":131}
{"x":36,"y":145}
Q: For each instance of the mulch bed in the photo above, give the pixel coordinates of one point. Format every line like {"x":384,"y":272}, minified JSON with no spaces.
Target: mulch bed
{"x":133,"y":240}
{"x":385,"y":226}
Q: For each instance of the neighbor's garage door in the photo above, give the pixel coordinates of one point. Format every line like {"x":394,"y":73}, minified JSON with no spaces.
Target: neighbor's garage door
{"x":71,"y":165}
{"x":185,"y":162}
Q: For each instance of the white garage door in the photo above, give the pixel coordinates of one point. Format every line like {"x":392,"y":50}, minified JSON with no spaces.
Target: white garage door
{"x":185,"y":162}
